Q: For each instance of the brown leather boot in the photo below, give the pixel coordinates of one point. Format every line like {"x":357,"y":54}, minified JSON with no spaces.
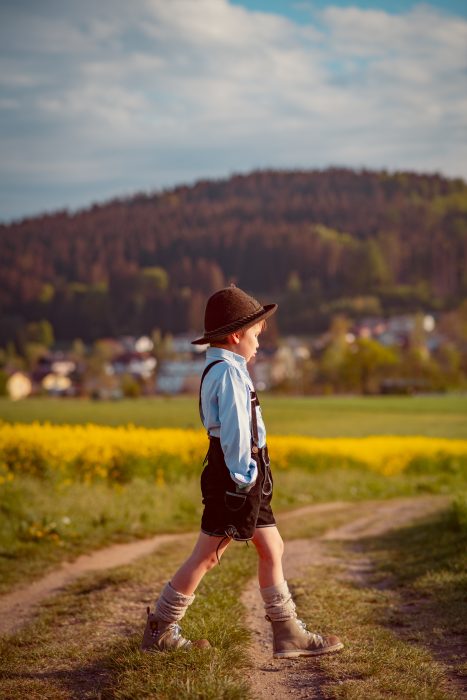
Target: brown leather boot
{"x":292,"y":639}
{"x":166,"y":636}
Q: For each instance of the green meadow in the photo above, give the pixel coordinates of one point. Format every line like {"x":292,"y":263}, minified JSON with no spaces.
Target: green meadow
{"x":436,"y":416}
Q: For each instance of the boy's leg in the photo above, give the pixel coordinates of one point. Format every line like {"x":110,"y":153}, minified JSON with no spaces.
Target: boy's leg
{"x":290,"y":636}
{"x":203,"y":558}
{"x":162,"y":629}
{"x":270,"y":548}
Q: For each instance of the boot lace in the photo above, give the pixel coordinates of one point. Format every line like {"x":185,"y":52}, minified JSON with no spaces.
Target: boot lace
{"x":316,"y":638}
{"x":173,"y":627}
{"x":177,"y":631}
{"x":176,"y":636}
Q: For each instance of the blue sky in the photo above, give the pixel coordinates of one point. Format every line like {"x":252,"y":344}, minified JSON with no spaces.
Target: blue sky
{"x":301,"y":10}
{"x":99,"y":100}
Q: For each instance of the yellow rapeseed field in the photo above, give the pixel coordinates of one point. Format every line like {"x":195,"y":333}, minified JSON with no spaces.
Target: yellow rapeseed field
{"x":90,"y":451}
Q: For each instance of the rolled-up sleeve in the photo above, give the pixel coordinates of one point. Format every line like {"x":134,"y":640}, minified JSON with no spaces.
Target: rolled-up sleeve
{"x":235,"y":433}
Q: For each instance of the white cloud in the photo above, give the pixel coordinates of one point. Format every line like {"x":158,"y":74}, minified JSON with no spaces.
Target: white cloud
{"x":178,"y":90}
{"x":8,"y":103}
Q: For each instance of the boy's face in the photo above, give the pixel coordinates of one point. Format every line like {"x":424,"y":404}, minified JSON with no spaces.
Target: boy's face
{"x":246,"y":344}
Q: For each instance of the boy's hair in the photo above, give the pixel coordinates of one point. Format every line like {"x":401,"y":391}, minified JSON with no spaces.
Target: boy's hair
{"x":241,"y":331}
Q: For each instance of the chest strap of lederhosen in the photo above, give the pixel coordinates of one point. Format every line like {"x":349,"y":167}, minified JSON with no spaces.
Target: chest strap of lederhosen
{"x":206,"y":370}
{"x":255,"y":448}
{"x":254,"y":401}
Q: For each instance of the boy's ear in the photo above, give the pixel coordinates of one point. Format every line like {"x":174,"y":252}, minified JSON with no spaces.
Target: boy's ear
{"x":234,"y":338}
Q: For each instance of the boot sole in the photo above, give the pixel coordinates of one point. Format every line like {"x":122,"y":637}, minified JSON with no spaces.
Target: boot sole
{"x":295,"y":653}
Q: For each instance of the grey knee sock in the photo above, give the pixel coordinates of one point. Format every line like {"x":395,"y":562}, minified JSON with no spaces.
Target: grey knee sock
{"x":278,"y":602}
{"x":172,"y":605}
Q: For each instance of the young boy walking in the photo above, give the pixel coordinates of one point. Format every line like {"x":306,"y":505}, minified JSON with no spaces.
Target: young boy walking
{"x":236,"y":486}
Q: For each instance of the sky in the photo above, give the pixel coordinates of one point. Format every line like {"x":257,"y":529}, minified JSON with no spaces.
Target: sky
{"x":105,"y":99}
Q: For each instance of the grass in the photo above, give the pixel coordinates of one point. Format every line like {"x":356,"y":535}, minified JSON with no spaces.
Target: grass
{"x":437,"y":416}
{"x":86,"y":642}
{"x":426,"y":564}
{"x":44,"y":523}
{"x":403,"y":628}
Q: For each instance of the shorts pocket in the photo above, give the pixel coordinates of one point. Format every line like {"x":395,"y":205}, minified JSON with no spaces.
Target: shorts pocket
{"x":234,"y":501}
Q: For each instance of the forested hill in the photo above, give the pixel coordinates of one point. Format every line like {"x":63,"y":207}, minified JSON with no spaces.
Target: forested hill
{"x":317,"y":241}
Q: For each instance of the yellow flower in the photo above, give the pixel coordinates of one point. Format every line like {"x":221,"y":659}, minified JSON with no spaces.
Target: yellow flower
{"x":93,"y":452}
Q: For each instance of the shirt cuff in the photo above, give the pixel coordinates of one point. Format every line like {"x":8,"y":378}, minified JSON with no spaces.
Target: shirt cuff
{"x":246,"y":481}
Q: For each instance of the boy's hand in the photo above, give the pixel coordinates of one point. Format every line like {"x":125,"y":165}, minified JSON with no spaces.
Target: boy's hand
{"x":244,"y":488}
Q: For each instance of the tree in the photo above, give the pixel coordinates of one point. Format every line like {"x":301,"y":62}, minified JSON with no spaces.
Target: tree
{"x":366,"y":363}
{"x":335,"y":353}
{"x":294,"y":283}
{"x":40,"y":332}
{"x":374,"y":270}
{"x":78,"y":348}
{"x":154,"y":279}
{"x":449,"y":360}
{"x":33,"y":352}
{"x":402,"y":237}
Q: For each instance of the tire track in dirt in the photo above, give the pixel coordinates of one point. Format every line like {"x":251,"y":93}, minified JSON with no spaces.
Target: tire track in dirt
{"x":18,"y":607}
{"x":300,"y":678}
{"x":269,"y":678}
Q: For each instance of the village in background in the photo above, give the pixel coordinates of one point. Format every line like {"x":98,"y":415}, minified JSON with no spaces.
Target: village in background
{"x":404,"y":354}
{"x":368,"y":269}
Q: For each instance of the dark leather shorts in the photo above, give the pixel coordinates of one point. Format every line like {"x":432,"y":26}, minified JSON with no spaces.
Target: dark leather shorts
{"x":229,"y":511}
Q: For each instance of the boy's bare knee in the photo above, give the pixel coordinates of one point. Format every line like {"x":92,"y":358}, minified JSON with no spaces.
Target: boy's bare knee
{"x":211,"y":561}
{"x":268,"y":551}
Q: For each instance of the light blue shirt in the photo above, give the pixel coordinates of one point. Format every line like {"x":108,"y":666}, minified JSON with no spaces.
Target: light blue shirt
{"x":226,"y":413}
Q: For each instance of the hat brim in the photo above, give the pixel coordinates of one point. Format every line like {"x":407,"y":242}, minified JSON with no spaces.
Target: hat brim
{"x":219,"y":333}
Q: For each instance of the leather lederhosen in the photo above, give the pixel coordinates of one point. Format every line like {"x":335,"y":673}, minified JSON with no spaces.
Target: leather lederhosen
{"x":229,"y":510}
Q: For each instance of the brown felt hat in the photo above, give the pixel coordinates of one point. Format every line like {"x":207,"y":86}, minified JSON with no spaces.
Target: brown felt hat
{"x":228,"y":310}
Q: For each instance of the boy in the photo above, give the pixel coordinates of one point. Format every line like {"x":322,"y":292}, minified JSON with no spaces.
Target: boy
{"x":236,"y":485}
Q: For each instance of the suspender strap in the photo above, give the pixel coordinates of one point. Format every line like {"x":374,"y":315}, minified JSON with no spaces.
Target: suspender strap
{"x":206,"y":370}
{"x":254,"y":401}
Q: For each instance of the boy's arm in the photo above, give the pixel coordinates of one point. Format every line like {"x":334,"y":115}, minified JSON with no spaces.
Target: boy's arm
{"x":235,"y":432}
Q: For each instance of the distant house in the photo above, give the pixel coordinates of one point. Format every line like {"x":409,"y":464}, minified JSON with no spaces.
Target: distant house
{"x":42,"y":368}
{"x":181,"y":345}
{"x":178,"y":376}
{"x":370,"y":327}
{"x":138,"y":364}
{"x":55,"y":372}
{"x":113,"y":346}
{"x":396,"y":330}
{"x":18,"y":386}
{"x":273,"y":367}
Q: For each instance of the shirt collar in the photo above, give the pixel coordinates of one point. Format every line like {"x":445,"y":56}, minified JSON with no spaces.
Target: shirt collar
{"x":228,"y":355}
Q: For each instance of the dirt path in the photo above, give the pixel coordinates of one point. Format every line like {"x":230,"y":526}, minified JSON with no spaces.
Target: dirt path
{"x":18,"y":607}
{"x":299,"y":678}
{"x":269,"y":678}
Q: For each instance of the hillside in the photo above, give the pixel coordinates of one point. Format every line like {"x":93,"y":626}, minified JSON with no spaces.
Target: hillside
{"x":316,"y":241}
